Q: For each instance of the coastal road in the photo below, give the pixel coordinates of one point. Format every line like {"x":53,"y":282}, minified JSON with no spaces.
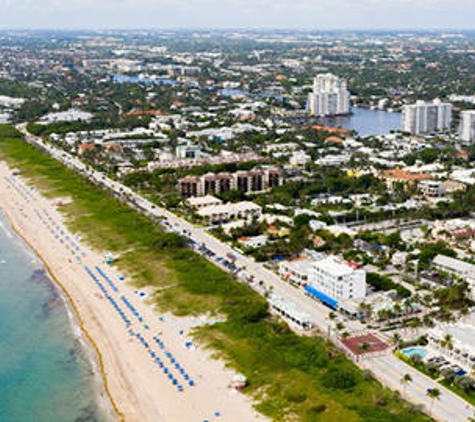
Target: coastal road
{"x":387,"y":368}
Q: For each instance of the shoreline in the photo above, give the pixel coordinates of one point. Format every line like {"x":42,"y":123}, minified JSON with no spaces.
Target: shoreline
{"x":76,"y":321}
{"x":151,"y":367}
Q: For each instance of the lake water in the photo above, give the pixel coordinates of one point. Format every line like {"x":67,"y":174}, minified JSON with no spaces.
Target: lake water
{"x":364,"y":121}
{"x":45,"y":371}
{"x":367,"y":122}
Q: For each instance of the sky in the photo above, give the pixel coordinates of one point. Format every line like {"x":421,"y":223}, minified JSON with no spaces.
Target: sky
{"x":291,"y":14}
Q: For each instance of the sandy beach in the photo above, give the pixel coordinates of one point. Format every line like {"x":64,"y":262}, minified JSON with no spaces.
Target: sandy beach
{"x":151,"y":368}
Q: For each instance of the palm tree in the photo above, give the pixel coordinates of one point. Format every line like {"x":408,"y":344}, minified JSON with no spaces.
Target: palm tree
{"x":471,"y":419}
{"x":407,"y":306}
{"x":428,"y":299}
{"x":362,"y":308}
{"x":415,"y":323}
{"x":405,"y":379}
{"x":365,"y":346}
{"x":427,"y":320}
{"x":331,"y":316}
{"x":447,"y":342}
{"x":433,"y":394}
{"x":397,"y":340}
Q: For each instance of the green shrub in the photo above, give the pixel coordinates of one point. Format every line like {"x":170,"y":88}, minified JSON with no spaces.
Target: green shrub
{"x":341,"y":378}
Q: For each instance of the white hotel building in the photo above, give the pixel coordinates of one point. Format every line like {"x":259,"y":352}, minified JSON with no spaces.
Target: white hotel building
{"x":328,"y":279}
{"x":338,"y":279}
{"x":425,"y":118}
{"x":330,"y":96}
{"x":467,"y":127}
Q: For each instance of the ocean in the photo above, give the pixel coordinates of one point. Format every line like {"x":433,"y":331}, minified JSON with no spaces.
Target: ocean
{"x":46,"y":370}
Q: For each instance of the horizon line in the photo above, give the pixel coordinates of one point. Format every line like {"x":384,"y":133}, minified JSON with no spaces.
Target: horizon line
{"x":238,"y":28}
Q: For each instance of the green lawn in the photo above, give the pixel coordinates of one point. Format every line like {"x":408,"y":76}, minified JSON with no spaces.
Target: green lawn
{"x":292,"y":378}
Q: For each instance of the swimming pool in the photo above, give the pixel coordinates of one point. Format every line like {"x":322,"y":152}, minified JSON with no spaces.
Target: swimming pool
{"x":415,"y":351}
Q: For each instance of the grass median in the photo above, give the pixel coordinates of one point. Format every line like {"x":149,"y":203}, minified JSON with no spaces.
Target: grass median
{"x":292,"y":378}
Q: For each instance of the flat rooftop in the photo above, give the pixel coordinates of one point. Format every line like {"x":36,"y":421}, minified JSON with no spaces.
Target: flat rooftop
{"x":229,"y":208}
{"x":334,"y":266}
{"x":463,"y":334}
{"x":455,"y":264}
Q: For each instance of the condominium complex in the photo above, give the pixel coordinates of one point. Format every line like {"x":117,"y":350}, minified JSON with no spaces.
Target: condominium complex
{"x":424,"y":118}
{"x":252,"y":181}
{"x":467,"y":126}
{"x":330,"y":96}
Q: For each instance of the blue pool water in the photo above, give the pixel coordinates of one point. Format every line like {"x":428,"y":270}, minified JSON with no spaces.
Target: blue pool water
{"x":415,"y":351}
{"x":46,"y":374}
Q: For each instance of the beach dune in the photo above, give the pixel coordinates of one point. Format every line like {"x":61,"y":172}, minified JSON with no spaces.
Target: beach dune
{"x":151,"y":369}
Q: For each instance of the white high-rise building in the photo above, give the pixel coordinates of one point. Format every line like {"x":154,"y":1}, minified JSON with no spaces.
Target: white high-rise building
{"x":467,"y":126}
{"x":330,"y":96}
{"x":333,"y":280}
{"x":425,"y":118}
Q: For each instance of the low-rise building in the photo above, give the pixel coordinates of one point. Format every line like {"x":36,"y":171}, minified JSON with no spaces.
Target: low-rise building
{"x":86,"y":147}
{"x":334,"y":140}
{"x":316,"y":225}
{"x":231,"y":211}
{"x":188,"y":151}
{"x":297,"y":271}
{"x":253,"y":241}
{"x":452,"y":186}
{"x":399,"y":258}
{"x":455,"y":267}
{"x":299,"y":159}
{"x":327,"y":199}
{"x":462,"y":348}
{"x":394,"y":176}
{"x":378,"y":302}
{"x":203,"y":201}
{"x":290,"y":312}
{"x":333,"y":160}
{"x":369,"y":248}
{"x":439,"y":189}
{"x":432,"y":188}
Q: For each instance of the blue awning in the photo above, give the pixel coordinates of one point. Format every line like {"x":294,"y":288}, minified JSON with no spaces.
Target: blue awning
{"x":327,"y":300}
